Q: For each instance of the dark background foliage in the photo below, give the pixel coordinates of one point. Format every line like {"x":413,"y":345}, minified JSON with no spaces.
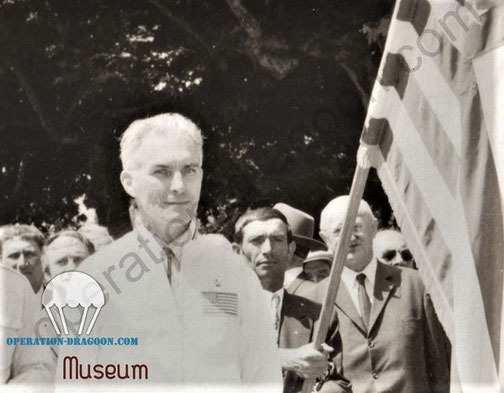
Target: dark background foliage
{"x":280,"y":89}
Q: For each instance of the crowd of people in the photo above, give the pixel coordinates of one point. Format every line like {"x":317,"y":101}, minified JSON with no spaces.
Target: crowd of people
{"x":39,"y":258}
{"x":245,"y":312}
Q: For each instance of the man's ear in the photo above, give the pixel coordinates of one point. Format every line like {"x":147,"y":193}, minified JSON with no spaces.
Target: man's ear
{"x":127,"y":182}
{"x":236,"y":248}
{"x":292,"y":249}
{"x":374,"y":224}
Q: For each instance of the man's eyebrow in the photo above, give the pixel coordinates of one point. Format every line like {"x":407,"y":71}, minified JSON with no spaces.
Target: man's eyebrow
{"x":165,"y":166}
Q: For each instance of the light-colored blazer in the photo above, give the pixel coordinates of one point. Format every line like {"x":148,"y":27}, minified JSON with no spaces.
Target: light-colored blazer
{"x":219,"y":334}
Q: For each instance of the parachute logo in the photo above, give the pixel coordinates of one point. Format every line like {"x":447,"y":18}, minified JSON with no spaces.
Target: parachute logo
{"x":73,"y":289}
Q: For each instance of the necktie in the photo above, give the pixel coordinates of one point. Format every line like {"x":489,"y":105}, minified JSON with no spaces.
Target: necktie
{"x":169,"y":262}
{"x":275,"y":301}
{"x":364,"y":303}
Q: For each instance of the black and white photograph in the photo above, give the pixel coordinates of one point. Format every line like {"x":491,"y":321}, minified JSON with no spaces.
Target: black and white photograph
{"x":252,"y":196}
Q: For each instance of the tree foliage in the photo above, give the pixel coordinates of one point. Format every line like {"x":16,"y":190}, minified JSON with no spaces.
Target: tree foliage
{"x":280,"y":89}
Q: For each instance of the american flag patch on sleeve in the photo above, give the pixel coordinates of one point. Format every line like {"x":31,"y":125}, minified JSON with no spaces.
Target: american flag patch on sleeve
{"x":220,"y":303}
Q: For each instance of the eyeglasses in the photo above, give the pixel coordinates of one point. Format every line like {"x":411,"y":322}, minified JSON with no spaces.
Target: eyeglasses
{"x":405,"y":255}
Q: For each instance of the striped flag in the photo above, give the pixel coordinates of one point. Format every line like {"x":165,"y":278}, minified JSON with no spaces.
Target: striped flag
{"x":219,"y":303}
{"x":437,"y":115}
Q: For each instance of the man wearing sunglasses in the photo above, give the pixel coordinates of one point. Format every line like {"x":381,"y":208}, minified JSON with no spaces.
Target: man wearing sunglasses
{"x":390,"y":247}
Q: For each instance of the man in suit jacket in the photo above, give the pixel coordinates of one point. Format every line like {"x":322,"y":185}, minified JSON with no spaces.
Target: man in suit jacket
{"x":392,"y":339}
{"x":264,"y":238}
{"x":195,"y":306}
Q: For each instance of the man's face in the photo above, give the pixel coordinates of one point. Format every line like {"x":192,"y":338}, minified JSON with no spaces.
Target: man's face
{"x":390,"y":247}
{"x":65,"y":253}
{"x":24,"y":256}
{"x":166,"y":182}
{"x":360,"y":251}
{"x":316,"y":270}
{"x":267,"y":250}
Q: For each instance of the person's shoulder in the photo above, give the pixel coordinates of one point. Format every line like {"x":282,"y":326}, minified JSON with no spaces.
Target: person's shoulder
{"x":406,"y":276}
{"x":300,"y":305}
{"x":215,"y":240}
{"x":215,"y":248}
{"x":110,"y":254}
{"x":300,"y":286}
{"x":215,"y":253}
{"x":12,"y":278}
{"x":317,"y":291}
{"x":17,"y":297}
{"x":406,"y":279}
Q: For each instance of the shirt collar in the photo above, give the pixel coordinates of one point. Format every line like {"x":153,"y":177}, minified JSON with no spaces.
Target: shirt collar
{"x":349,"y":275}
{"x":280,"y":294}
{"x":175,"y":246}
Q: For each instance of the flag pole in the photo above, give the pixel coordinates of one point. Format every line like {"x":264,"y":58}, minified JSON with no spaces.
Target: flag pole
{"x":339,"y":259}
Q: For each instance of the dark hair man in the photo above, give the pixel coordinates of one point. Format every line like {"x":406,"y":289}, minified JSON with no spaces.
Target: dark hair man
{"x":263,"y":237}
{"x":302,"y":226}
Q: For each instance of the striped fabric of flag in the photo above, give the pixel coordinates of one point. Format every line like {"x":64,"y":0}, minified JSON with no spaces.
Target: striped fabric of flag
{"x":218,"y":303}
{"x":439,"y":166}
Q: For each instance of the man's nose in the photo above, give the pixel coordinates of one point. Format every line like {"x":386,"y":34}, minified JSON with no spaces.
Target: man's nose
{"x":177,"y":184}
{"x":22,"y":260}
{"x":397,"y":258}
{"x":266,"y":247}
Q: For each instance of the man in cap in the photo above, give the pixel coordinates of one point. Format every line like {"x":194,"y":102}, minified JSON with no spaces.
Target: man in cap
{"x":302,"y":226}
{"x":390,"y":247}
{"x":393,"y":341}
{"x":317,"y":265}
{"x":263,"y":237}
{"x":197,"y":309}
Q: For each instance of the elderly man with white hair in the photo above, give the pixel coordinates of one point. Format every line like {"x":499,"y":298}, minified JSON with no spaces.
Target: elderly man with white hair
{"x":392,"y":339}
{"x":198,"y":310}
